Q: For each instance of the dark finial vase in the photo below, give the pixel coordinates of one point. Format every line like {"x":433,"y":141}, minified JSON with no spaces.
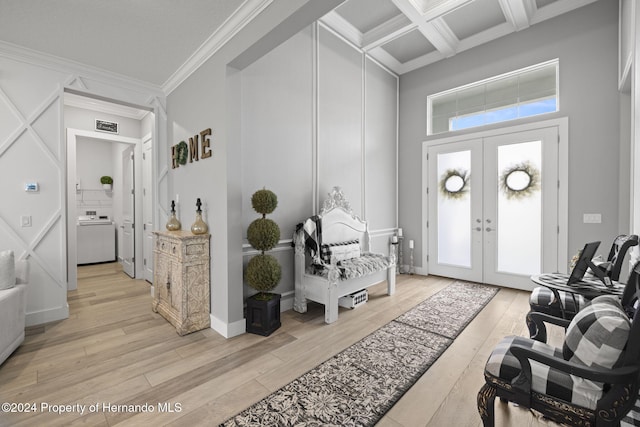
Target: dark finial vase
{"x":199,"y":226}
{"x":173,"y":224}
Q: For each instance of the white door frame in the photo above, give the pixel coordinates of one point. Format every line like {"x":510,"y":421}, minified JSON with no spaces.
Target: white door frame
{"x":128,"y":226}
{"x":147,"y":207}
{"x":563,"y":178}
{"x":72,"y":249}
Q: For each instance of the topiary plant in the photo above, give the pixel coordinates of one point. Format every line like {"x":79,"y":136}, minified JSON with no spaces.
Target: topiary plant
{"x":263,"y":271}
{"x":106,"y":180}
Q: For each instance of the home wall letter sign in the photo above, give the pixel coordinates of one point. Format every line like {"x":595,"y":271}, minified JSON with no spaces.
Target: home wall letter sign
{"x":199,"y":147}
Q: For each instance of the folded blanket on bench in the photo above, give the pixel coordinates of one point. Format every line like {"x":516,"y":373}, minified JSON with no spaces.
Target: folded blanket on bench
{"x":312,"y":228}
{"x":363,"y":265}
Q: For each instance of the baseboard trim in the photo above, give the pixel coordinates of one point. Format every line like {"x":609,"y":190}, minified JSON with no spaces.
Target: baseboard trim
{"x":416,"y":270}
{"x":286,"y":301}
{"x":228,"y":330}
{"x":46,"y":316}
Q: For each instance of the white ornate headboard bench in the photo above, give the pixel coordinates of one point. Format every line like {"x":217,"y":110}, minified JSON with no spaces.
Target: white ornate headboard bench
{"x":332,"y":258}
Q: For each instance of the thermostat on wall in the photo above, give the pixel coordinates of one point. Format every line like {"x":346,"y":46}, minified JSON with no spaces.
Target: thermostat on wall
{"x":31,"y":187}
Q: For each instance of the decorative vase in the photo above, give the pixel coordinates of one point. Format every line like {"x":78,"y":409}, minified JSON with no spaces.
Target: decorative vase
{"x":173,"y":224}
{"x":199,"y":226}
{"x":106,"y":187}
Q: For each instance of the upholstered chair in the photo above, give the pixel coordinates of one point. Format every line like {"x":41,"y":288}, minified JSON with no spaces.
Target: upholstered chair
{"x":592,"y":380}
{"x":14,"y":276}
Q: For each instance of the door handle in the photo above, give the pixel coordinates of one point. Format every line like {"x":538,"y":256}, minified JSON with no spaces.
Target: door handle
{"x":489,"y":229}
{"x":478,"y":228}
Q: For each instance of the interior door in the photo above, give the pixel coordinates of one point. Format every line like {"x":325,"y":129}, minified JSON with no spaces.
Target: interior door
{"x":493,"y":207}
{"x":147,"y":209}
{"x":128,"y":212}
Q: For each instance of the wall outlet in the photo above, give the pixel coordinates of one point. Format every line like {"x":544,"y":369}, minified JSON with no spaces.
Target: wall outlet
{"x":25,"y":220}
{"x":592,"y":218}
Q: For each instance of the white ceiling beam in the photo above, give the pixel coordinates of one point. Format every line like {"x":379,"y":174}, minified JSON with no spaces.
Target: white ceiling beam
{"x":466,"y":44}
{"x":432,"y":9}
{"x":426,"y":16}
{"x":435,"y":29}
{"x":518,"y":12}
{"x":557,"y":8}
{"x":440,"y":36}
{"x":341,"y":26}
{"x":387,"y":31}
{"x":410,"y":9}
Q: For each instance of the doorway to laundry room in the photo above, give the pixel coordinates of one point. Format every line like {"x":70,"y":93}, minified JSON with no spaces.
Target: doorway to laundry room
{"x":107,"y":194}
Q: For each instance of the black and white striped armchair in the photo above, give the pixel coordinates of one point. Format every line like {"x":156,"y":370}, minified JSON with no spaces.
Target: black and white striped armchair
{"x":592,"y":380}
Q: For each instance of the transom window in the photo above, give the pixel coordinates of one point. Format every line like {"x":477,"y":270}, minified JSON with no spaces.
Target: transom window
{"x":522,"y":93}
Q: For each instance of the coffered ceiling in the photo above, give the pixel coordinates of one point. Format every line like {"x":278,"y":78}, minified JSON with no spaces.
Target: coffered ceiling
{"x":153,"y":40}
{"x":408,"y":34}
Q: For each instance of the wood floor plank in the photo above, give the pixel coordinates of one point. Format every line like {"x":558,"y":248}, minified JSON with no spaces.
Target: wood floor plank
{"x":114,"y":350}
{"x":165,"y":391}
{"x":201,"y":396}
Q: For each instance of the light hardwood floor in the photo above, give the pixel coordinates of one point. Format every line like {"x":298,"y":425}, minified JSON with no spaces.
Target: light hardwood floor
{"x":113,"y":350}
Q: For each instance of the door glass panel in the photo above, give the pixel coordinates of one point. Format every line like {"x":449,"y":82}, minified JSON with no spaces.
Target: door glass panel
{"x":519,"y":225}
{"x":454,"y":208}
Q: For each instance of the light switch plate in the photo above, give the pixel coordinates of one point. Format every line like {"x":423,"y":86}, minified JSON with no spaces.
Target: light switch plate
{"x":592,"y":218}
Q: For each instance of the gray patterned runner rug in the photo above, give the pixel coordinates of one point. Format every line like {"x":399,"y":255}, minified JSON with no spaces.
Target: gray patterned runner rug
{"x":359,"y":385}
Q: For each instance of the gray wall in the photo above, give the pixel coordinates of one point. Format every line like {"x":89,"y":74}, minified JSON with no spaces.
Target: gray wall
{"x":586,"y":42}
{"x":310,"y":125}
{"x":277,"y":145}
{"x":209,"y":99}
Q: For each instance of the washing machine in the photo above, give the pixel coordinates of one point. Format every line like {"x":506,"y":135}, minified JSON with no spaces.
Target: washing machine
{"x":96,"y":239}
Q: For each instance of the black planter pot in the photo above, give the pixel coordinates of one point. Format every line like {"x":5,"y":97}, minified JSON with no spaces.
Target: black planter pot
{"x":263,"y":317}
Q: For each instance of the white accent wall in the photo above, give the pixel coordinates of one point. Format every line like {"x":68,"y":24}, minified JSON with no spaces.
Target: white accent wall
{"x":317,"y":113}
{"x":33,"y":149}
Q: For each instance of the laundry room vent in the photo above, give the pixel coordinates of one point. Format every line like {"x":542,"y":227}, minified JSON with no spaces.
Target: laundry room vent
{"x":106,"y":126}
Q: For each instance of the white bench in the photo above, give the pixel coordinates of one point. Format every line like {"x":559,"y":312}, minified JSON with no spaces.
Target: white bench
{"x":329,"y":282}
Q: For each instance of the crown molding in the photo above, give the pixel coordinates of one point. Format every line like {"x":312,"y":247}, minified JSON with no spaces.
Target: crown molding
{"x":56,"y":63}
{"x":85,"y":103}
{"x":236,"y":22}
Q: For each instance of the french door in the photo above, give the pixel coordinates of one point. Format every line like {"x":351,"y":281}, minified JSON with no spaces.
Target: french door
{"x":493,"y":207}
